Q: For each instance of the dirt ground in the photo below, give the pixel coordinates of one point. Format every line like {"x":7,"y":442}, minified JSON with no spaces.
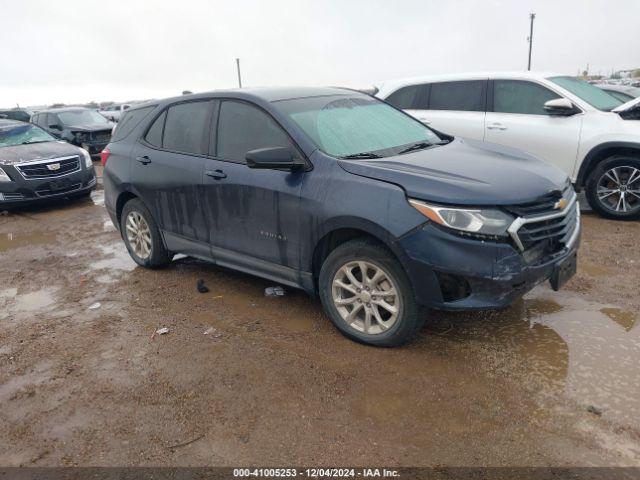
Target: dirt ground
{"x":552,"y":380}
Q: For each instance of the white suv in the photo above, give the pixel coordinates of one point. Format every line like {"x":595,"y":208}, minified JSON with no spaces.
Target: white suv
{"x":561,"y":119}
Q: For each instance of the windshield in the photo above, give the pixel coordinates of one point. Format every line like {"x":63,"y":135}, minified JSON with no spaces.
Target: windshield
{"x":592,"y":95}
{"x":22,"y":134}
{"x":344,"y":126}
{"x":81,"y":117}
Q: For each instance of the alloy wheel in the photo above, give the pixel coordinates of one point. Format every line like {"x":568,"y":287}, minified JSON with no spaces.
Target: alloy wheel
{"x":366,"y":297}
{"x":138,"y":235}
{"x":618,"y":189}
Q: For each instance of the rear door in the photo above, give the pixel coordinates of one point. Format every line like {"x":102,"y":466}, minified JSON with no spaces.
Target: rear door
{"x":167,"y":172}
{"x":518,"y":119}
{"x":252,"y":213}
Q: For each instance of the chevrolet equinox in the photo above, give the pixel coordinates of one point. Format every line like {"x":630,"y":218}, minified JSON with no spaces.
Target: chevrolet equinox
{"x":342,"y":195}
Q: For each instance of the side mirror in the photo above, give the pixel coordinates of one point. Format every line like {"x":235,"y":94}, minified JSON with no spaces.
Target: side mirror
{"x":55,"y":126}
{"x":560,"y":106}
{"x":273,"y":158}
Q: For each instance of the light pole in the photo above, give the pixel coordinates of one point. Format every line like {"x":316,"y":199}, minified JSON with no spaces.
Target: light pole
{"x":531,"y":16}
{"x":239,"y":78}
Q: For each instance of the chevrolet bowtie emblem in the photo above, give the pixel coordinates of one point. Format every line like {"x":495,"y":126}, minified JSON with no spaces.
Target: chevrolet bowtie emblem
{"x":53,"y":166}
{"x":560,"y":204}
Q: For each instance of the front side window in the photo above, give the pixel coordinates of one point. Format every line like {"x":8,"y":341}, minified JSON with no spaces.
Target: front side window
{"x":465,"y":96}
{"x":592,"y":95}
{"x":515,"y":96}
{"x":243,"y":127}
{"x":413,"y":97}
{"x":80,"y":117}
{"x":23,"y":134}
{"x":344,"y":125}
{"x":185,"y":129}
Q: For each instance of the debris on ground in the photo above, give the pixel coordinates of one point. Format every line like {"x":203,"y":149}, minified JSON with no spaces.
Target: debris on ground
{"x":209,"y":331}
{"x":95,"y":306}
{"x":595,"y":410}
{"x":202,"y":288}
{"x":162,"y":331}
{"x":274,"y":292}
{"x":184,"y":444}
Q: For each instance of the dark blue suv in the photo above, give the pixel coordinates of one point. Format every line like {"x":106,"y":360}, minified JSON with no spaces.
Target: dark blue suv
{"x":344,"y":196}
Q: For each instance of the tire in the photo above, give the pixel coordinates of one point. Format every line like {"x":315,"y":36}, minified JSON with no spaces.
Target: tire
{"x":601,"y":180}
{"x":349,"y":256}
{"x":153,"y":253}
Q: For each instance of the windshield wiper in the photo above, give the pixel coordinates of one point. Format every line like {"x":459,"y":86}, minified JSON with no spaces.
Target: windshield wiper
{"x":361,"y":155}
{"x":417,"y":146}
{"x":37,"y":141}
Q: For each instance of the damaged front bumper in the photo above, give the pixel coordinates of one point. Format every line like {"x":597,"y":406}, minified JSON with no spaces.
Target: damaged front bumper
{"x":457,"y":273}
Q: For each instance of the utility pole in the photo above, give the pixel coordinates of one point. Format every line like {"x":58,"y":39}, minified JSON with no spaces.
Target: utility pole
{"x":531,"y":16}
{"x":239,"y":77}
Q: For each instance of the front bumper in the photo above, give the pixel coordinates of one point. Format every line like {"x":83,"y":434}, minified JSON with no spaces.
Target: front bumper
{"x":456,"y":273}
{"x":94,"y":147}
{"x":22,"y":192}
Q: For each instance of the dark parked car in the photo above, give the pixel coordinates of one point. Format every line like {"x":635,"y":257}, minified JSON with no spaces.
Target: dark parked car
{"x":15,"y":114}
{"x":79,"y":126}
{"x":35,"y":167}
{"x":344,"y":196}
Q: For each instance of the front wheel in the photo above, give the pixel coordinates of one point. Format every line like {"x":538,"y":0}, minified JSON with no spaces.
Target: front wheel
{"x":368,"y":296}
{"x":613,"y":188}
{"x":142,"y":236}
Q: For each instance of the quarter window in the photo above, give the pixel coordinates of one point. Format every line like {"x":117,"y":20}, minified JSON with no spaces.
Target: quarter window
{"x":466,"y":96}
{"x":129,"y":121}
{"x":185,"y":128}
{"x":154,"y":134}
{"x":516,"y":96}
{"x":242,"y":128}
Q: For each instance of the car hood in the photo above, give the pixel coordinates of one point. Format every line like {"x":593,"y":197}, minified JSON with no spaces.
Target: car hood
{"x":36,"y":151}
{"x":465,"y":172}
{"x":91,"y":127}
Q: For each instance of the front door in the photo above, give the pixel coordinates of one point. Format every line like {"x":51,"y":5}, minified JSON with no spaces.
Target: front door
{"x":519,"y":120}
{"x":251,"y":213}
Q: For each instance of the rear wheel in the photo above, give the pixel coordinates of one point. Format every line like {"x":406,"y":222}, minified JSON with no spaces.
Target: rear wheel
{"x":142,"y":236}
{"x":368,"y":296}
{"x":613,"y":188}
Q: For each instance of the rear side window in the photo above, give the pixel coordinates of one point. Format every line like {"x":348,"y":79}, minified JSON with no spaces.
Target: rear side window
{"x":129,"y":121}
{"x":466,"y":96}
{"x":413,"y":97}
{"x":243,"y":127}
{"x":154,"y":134}
{"x":185,"y":129}
{"x":516,"y":96}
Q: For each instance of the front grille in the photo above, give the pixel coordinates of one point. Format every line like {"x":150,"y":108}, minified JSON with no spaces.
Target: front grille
{"x":549,"y":230}
{"x":103,"y":136}
{"x":47,"y":192}
{"x":54,"y":167}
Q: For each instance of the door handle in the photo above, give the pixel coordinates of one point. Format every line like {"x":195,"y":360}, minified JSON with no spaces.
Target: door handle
{"x":496,"y":126}
{"x":144,"y":160}
{"x":217,"y":174}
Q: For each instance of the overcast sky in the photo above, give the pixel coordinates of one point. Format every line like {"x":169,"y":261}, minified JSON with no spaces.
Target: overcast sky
{"x":77,"y":51}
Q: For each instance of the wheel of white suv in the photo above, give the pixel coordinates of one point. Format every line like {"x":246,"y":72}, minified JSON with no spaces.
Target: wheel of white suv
{"x":368,"y":296}
{"x":142,"y":237}
{"x":613,"y":188}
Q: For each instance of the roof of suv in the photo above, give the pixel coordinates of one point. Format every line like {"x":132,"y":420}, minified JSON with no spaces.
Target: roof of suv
{"x":62,"y":109}
{"x":269,"y":94}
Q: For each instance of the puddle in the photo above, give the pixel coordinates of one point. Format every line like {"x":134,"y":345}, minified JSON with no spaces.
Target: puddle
{"x":117,"y":258}
{"x":34,"y":301}
{"x":9,"y":241}
{"x":562,"y":345}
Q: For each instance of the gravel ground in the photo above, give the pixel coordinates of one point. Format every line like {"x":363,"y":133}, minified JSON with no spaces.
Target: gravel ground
{"x":551,"y":380}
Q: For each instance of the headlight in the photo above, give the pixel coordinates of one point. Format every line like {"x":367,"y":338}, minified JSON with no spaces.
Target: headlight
{"x":483,"y":221}
{"x":88,"y":163}
{"x":3,"y":176}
